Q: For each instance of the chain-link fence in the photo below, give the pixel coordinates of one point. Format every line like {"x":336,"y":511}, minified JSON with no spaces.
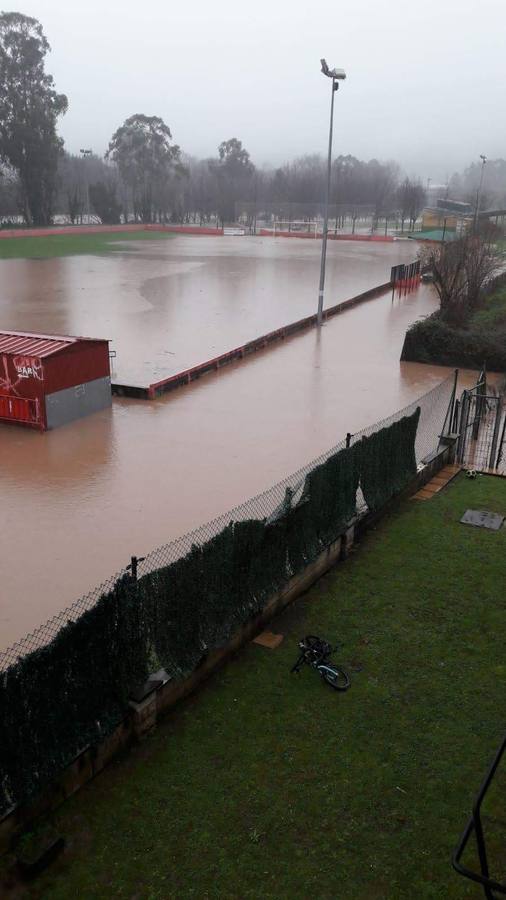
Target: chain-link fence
{"x":67,"y":685}
{"x":265,"y":506}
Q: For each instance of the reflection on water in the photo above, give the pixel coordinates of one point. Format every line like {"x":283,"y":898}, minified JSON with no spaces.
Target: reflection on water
{"x":58,"y":461}
{"x":79,"y":501}
{"x":169,"y":305}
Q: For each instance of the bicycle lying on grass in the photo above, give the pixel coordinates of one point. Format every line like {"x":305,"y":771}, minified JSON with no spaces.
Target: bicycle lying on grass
{"x":315,"y":652}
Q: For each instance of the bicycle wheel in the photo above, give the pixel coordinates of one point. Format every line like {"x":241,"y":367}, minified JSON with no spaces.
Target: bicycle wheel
{"x":336,"y":677}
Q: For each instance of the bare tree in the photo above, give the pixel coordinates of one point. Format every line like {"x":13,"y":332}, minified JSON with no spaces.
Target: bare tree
{"x":75,"y":176}
{"x":410,"y":198}
{"x":461,"y":270}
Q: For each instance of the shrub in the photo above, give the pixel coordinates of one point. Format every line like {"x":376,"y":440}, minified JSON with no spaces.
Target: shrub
{"x":432,"y":340}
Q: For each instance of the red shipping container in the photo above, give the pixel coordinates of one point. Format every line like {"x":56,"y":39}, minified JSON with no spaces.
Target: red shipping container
{"x":49,"y":380}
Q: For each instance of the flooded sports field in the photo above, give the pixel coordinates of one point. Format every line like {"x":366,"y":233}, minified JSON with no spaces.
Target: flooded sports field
{"x":78,"y":501}
{"x":168,"y":305}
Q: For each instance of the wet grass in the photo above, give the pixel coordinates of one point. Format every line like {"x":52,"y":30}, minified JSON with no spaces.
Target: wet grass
{"x":270,"y":785}
{"x":493,"y":312}
{"x":54,"y":245}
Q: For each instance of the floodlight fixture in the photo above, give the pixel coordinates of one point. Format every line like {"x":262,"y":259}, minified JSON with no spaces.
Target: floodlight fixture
{"x":338,"y":74}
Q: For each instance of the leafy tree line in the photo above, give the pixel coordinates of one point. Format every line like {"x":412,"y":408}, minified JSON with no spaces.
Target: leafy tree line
{"x":29,"y":110}
{"x":145,"y":176}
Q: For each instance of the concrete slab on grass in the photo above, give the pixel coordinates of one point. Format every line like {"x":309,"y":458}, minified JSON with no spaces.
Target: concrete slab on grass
{"x":481,"y":518}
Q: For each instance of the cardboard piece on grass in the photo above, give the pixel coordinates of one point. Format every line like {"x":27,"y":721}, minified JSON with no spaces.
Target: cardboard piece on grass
{"x":482,"y":519}
{"x":268,"y":639}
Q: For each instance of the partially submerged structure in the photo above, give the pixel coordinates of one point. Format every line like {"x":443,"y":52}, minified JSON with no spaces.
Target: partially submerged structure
{"x":49,"y":380}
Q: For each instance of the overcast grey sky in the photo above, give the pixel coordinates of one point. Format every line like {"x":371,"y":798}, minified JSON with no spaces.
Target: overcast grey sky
{"x":426,"y":78}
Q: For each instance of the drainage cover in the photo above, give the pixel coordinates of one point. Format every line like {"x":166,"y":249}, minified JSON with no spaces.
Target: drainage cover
{"x":482,"y":519}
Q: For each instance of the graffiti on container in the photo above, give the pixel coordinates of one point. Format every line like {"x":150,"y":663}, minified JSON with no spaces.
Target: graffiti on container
{"x":24,"y":367}
{"x":28,"y":367}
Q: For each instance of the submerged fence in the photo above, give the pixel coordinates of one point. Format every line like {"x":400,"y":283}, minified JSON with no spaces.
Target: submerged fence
{"x":67,"y":684}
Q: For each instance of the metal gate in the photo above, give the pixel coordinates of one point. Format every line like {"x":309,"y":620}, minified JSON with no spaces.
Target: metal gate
{"x":481,"y":423}
{"x":19,"y":409}
{"x":491,"y":887}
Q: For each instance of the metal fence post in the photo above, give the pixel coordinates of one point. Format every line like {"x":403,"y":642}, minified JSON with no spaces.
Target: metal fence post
{"x":450,"y":412}
{"x":501,"y":444}
{"x":464,"y":412}
{"x":133,"y":566}
{"x":456,"y":410}
{"x":496,"y":434}
{"x":454,"y":397}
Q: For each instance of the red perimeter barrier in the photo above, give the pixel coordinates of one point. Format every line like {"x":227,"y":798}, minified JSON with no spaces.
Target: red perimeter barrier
{"x":104,"y":229}
{"x":185,"y":229}
{"x":212,"y":365}
{"x":178,"y":229}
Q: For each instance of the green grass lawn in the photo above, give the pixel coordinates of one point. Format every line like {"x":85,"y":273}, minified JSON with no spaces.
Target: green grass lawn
{"x":73,"y":244}
{"x":271,"y":785}
{"x":493,"y":312}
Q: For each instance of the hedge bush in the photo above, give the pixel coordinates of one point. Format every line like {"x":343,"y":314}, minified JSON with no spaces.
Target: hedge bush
{"x":432,"y":340}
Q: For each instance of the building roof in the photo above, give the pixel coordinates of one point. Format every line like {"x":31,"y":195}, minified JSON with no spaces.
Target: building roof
{"x":434,"y":234}
{"x":40,"y":345}
{"x":444,"y":212}
{"x":458,"y":206}
{"x":491,"y":212}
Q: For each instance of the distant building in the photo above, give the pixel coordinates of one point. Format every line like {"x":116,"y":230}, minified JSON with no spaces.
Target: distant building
{"x":448,"y":215}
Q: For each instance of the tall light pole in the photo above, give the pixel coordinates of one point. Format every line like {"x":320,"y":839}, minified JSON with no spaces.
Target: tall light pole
{"x":478,"y":192}
{"x":336,"y":75}
{"x":85,"y":154}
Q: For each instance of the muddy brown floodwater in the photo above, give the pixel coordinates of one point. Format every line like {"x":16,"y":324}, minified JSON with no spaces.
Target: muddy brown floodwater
{"x":77,"y":502}
{"x":168,"y":305}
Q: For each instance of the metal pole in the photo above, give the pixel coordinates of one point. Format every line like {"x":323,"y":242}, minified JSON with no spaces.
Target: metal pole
{"x":495,"y":435}
{"x":456,"y":410}
{"x":501,"y":444}
{"x":454,"y":399}
{"x":133,"y":566}
{"x":478,"y":194}
{"x":464,"y":413}
{"x":319,"y":318}
{"x":448,"y":422}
